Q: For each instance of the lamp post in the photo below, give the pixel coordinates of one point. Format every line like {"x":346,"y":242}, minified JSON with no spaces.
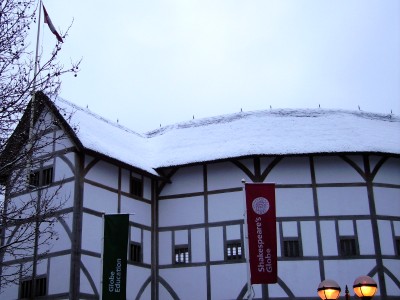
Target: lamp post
{"x":364,"y":287}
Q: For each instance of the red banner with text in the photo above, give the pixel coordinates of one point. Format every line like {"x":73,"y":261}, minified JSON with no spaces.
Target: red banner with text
{"x":261,"y":224}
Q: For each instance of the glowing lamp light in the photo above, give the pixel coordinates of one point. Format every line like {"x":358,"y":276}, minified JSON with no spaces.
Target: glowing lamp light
{"x":328,"y":289}
{"x":365,"y":287}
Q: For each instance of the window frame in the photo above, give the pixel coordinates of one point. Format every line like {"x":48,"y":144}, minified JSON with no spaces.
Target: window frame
{"x":41,"y":177}
{"x":24,"y":292}
{"x":234,"y":246}
{"x":178,"y":251}
{"x":138,"y":255}
{"x":136,"y":186}
{"x":344,"y":249}
{"x":294,"y":250}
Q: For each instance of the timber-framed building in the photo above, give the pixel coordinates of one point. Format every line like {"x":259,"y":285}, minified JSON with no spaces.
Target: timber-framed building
{"x":337,"y":176}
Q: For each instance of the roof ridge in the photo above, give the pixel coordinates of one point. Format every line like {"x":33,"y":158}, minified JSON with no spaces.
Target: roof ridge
{"x":95,"y":115}
{"x":283,"y":112}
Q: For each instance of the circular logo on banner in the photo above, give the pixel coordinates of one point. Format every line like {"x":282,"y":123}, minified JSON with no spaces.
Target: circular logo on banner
{"x":260,"y":205}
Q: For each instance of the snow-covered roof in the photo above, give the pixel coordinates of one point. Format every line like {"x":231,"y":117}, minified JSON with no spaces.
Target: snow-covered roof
{"x":268,"y":132}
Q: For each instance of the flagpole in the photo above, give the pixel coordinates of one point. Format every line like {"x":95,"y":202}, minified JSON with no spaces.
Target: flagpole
{"x":32,"y":112}
{"x":246,"y":244}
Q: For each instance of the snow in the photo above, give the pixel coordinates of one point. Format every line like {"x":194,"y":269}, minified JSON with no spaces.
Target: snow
{"x":268,"y":132}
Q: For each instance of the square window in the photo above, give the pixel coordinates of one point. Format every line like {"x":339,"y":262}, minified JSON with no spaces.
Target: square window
{"x":136,"y":187}
{"x":135,"y":254}
{"x":26,"y":287}
{"x":291,"y":248}
{"x":182,"y":255}
{"x":34,"y":178}
{"x":234,"y":250}
{"x":47,"y":176}
{"x":348,"y":246}
{"x":41,"y":177}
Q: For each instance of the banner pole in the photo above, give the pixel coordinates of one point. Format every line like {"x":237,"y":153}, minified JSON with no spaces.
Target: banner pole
{"x":246,"y":244}
{"x":102,"y":256}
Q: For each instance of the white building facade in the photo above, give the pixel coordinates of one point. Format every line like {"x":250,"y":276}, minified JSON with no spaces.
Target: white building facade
{"x":337,"y":203}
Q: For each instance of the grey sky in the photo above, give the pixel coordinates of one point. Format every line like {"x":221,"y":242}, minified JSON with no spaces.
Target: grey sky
{"x":156,"y":62}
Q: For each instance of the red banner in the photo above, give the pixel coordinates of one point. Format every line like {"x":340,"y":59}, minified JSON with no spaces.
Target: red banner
{"x":261,"y":224}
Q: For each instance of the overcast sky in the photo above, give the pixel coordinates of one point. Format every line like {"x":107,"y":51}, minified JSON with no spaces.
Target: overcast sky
{"x":152,"y":62}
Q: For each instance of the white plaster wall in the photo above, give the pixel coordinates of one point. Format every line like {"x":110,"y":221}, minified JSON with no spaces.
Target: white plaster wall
{"x":136,"y":234}
{"x":104,"y":173}
{"x":136,"y":276}
{"x":332,"y":169}
{"x":386,"y":237}
{"x":328,"y":237}
{"x":92,"y":233}
{"x":393,"y":266}
{"x":187,"y":282}
{"x":346,"y":271}
{"x":147,"y":188}
{"x":163,"y":293}
{"x":125,"y":180}
{"x":63,"y":241}
{"x":65,"y":196}
{"x":291,"y":170}
{"x":309,"y":238}
{"x":58,"y":278}
{"x":348,"y":201}
{"x":225,"y":207}
{"x":188,"y":179}
{"x":216,"y":240}
{"x":396,"y":225}
{"x":294,"y":202}
{"x":165,"y":249}
{"x":265,"y":162}
{"x":140,"y":209}
{"x":233,"y":232}
{"x":93,"y":265}
{"x":181,"y":211}
{"x":198,"y":242}
{"x":301,"y":277}
{"x":389,"y":172}
{"x":387,"y":201}
{"x":227,"y":280}
{"x":63,"y":141}
{"x":62,"y":170}
{"x":289,"y":229}
{"x":147,"y":247}
{"x":181,"y":237}
{"x":365,"y":237}
{"x":346,"y":227}
{"x":99,"y":199}
{"x":224,"y":176}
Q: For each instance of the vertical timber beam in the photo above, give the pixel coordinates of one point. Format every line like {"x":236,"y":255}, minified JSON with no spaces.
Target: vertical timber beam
{"x":154,"y":241}
{"x":375,"y":229}
{"x":76,"y":243}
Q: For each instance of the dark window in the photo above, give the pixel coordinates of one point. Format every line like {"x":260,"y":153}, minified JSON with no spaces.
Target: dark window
{"x":135,"y":252}
{"x":181,"y":255}
{"x":291,"y":248}
{"x":234,"y":250}
{"x":34,"y":178}
{"x":348,"y":246}
{"x":47,"y":176}
{"x":136,"y":187}
{"x":26,"y":287}
{"x":397,"y":245}
{"x":41,"y":178}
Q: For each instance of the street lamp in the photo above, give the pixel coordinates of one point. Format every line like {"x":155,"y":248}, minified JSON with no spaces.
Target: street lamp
{"x":364,"y":287}
{"x":328,"y":289}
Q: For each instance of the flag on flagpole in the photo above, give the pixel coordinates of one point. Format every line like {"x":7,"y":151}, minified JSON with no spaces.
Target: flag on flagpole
{"x":261,"y":226}
{"x":47,"y":20}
